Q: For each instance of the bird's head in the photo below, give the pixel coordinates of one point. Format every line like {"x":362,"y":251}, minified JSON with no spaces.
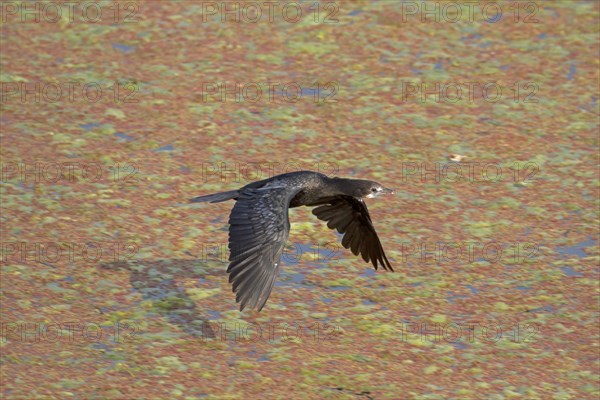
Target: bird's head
{"x":361,"y":188}
{"x":374,"y":189}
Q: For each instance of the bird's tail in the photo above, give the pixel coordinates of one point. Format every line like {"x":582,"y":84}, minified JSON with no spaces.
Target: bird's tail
{"x":216,"y":198}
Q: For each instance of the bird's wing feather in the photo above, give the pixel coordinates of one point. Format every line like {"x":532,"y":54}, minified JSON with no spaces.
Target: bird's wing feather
{"x":259,"y":228}
{"x":350,"y":216}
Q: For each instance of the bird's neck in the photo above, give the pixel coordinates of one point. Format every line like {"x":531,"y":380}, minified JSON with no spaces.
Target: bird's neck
{"x":337,"y":186}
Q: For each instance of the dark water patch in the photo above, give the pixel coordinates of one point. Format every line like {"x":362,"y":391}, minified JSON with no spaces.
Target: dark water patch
{"x":452,"y":296}
{"x":473,"y":289}
{"x":123,"y":48}
{"x":577,"y":249}
{"x":90,"y":126}
{"x":292,"y":279}
{"x":124,"y":136}
{"x":572,"y":72}
{"x":168,"y":147}
{"x":547,"y":308}
{"x":339,"y":288}
{"x":459,"y":345}
{"x":571,"y":272}
{"x":368,"y":272}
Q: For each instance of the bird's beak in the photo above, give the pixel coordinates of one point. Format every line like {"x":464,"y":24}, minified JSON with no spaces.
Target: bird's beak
{"x":379,"y":193}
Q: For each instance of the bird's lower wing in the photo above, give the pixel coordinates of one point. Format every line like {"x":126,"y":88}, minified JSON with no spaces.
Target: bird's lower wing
{"x":259,"y":228}
{"x":350,"y":216}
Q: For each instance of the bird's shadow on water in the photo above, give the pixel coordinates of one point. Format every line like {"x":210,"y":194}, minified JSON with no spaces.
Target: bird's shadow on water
{"x":158,"y":281}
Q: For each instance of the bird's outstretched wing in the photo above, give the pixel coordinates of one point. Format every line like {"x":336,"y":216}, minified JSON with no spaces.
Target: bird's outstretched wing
{"x":259,"y":228}
{"x":350,"y":216}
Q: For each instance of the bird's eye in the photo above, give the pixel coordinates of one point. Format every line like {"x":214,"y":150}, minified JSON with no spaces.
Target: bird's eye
{"x":373,"y":190}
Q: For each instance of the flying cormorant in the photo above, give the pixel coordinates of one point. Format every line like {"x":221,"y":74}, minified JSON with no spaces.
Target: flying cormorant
{"x":259,"y":225}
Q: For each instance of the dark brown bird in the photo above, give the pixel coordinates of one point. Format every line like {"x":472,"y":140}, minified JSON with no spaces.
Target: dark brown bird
{"x":259,"y":225}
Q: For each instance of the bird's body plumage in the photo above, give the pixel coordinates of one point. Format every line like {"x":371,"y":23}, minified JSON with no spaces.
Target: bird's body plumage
{"x":259,"y":225}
